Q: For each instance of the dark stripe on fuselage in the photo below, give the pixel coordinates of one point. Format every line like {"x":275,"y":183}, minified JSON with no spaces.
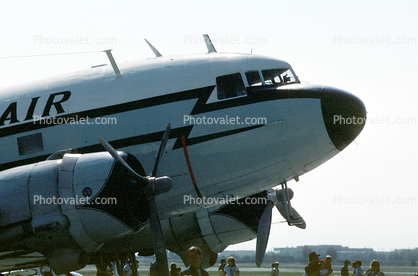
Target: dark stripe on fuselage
{"x":202,"y":94}
{"x":255,"y":95}
{"x":137,"y":140}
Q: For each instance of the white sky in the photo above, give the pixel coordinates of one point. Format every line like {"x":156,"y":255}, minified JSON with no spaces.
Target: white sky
{"x":366,"y":47}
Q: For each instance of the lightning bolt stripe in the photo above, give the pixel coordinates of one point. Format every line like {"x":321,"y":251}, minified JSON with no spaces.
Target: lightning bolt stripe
{"x":255,"y":95}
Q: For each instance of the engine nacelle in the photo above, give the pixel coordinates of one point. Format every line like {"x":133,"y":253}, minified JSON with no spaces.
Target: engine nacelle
{"x":67,"y":208}
{"x":211,"y":229}
{"x":216,"y":228}
{"x":111,"y":204}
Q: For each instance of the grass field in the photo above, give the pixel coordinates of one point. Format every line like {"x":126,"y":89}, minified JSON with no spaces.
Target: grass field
{"x":292,"y":269}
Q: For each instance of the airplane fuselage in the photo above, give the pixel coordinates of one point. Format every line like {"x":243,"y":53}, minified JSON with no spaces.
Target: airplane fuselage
{"x":237,"y":145}
{"x":240,"y":124}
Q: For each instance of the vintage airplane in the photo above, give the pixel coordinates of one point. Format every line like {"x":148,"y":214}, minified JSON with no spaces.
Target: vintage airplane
{"x":222,"y":129}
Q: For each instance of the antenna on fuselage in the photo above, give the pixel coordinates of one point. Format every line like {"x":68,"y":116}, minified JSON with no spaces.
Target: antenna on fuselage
{"x":113,"y":62}
{"x":156,"y":53}
{"x":209,"y":45}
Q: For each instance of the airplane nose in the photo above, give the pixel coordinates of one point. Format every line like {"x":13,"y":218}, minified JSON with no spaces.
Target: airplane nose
{"x":344,"y":116}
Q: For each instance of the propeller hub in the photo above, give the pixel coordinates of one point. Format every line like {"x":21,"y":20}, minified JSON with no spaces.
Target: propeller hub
{"x":159,"y":185}
{"x":279,"y":195}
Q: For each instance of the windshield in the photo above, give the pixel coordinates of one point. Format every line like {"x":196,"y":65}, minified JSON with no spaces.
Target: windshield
{"x":278,"y":76}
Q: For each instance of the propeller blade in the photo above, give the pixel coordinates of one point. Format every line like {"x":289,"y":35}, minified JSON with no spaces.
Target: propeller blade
{"x":161,"y":149}
{"x":117,"y":157}
{"x":158,"y":239}
{"x":153,"y":187}
{"x":294,"y":218}
{"x":263,"y":233}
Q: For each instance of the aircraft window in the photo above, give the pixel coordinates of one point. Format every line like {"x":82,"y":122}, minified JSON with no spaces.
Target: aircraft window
{"x":253,"y":78}
{"x":278,"y":76}
{"x":30,"y":144}
{"x":230,"y":86}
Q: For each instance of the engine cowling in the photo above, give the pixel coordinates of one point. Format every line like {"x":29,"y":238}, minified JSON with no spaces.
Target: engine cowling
{"x":68,"y":208}
{"x":216,"y":228}
{"x":110,"y":203}
{"x":211,"y":229}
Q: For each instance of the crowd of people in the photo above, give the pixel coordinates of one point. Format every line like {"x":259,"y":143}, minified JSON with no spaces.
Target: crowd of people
{"x":315,"y":267}
{"x":228,"y":267}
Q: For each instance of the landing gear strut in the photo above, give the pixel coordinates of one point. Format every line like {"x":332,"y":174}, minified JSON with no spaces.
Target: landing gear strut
{"x":125,"y":264}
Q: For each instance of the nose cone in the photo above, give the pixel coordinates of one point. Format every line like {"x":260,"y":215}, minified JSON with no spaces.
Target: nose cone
{"x":344,"y":116}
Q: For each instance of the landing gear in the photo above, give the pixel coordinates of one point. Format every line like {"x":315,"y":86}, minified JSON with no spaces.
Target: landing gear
{"x":104,"y":269}
{"x":127,"y":266}
{"x":124,"y":264}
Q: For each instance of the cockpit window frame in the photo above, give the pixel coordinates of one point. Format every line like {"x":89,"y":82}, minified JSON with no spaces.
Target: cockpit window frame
{"x":251,"y":79}
{"x":277,"y":78}
{"x":230,"y":86}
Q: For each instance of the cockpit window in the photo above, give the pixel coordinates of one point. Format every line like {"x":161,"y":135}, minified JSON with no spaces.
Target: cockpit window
{"x":278,"y":76}
{"x":229,"y":86}
{"x":253,"y":78}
